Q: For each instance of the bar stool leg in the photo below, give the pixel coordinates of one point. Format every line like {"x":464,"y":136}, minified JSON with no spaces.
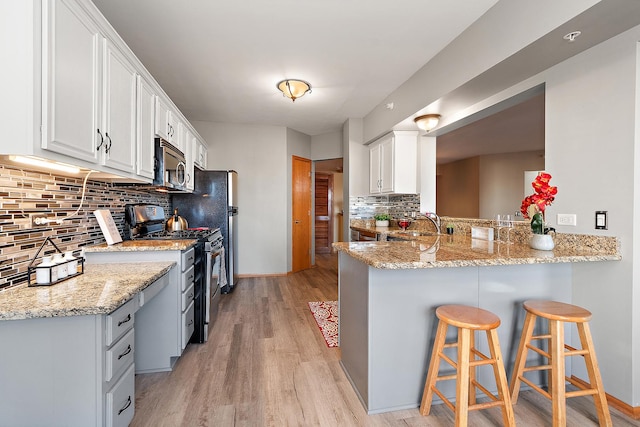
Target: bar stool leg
{"x":557,"y":382}
{"x":462,"y":377}
{"x":472,"y":371}
{"x":595,"y":379}
{"x":434,"y":363}
{"x":521,"y":359}
{"x":508,"y":417}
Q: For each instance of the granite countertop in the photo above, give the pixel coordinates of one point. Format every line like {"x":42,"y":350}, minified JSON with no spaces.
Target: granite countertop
{"x":462,"y":251}
{"x":100,"y":290}
{"x":144,"y":245}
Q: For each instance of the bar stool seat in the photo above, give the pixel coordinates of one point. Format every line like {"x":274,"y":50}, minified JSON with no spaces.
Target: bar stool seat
{"x":557,"y":313}
{"x":467,"y":320}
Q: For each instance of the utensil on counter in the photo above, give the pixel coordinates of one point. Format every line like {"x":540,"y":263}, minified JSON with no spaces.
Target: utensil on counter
{"x":176,"y":222}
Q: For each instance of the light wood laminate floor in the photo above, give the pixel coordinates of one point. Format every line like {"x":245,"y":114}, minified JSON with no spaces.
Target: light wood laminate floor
{"x":266,"y":364}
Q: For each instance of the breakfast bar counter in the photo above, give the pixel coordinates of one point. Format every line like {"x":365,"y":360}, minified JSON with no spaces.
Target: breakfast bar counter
{"x":389,"y":290}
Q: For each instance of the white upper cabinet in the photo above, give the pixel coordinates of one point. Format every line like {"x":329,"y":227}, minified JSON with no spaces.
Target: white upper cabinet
{"x":72,"y":71}
{"x":393,"y":163}
{"x":76,"y":94}
{"x":145,"y":128}
{"x":120,"y":80}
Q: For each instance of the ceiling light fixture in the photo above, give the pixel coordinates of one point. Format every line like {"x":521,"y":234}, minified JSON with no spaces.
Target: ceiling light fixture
{"x":427,"y":121}
{"x":31,"y":161}
{"x":293,"y":88}
{"x":572,"y":36}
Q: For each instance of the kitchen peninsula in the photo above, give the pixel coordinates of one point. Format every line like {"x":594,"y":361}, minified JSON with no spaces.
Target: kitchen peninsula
{"x":389,"y":290}
{"x":69,"y":348}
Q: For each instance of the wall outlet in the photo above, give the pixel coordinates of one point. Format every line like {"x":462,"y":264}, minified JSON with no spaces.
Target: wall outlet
{"x":566,"y":219}
{"x":38,"y":220}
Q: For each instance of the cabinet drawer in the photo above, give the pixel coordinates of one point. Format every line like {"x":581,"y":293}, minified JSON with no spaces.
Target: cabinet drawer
{"x":120,"y":321}
{"x":187,"y":297}
{"x":187,"y":325}
{"x":119,"y":356}
{"x":121,"y":401}
{"x":188,"y":257}
{"x":187,"y":278}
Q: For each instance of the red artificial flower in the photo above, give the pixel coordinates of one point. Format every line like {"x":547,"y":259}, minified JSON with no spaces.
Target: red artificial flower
{"x":544,"y":195}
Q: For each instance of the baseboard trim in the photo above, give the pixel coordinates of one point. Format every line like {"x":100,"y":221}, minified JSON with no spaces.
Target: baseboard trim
{"x":250,"y":276}
{"x":628,"y":410}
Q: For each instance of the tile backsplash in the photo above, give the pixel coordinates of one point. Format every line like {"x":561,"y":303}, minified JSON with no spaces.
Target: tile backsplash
{"x":365,"y":207}
{"x":24,"y":193}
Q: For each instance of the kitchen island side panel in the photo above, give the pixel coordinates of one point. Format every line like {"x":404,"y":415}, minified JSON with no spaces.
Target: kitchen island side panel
{"x":353,"y":290}
{"x":402,"y":325}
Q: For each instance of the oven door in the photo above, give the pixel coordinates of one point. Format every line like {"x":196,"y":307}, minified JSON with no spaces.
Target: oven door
{"x":212,"y":291}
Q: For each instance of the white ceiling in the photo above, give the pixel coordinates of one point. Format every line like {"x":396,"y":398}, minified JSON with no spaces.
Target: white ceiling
{"x":220,"y":60}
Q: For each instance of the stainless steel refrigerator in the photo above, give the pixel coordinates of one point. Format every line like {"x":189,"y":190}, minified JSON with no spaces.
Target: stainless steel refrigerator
{"x":214,"y":204}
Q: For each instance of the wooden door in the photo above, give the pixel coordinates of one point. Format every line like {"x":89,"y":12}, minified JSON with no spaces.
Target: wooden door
{"x":301,"y":213}
{"x":323,"y":211}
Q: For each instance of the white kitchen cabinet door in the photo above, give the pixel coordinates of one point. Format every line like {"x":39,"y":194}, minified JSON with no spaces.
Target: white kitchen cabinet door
{"x":375,"y":156}
{"x":200,"y":159}
{"x":145,"y":129}
{"x":72,"y":74}
{"x":387,"y":165}
{"x":189,"y":142}
{"x":166,"y":126}
{"x":120,"y":81}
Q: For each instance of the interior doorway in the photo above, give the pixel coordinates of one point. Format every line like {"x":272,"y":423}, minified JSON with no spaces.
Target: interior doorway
{"x":300,"y":214}
{"x":323,"y":209}
{"x":328,"y":220}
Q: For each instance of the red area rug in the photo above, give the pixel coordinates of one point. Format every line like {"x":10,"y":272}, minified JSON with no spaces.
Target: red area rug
{"x":326,"y":315}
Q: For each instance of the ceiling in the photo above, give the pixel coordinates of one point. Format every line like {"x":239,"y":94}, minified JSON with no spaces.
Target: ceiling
{"x":220,"y":60}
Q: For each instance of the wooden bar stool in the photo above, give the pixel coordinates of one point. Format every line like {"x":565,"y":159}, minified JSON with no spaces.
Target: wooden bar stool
{"x":467,"y":320}
{"x":557,"y":313}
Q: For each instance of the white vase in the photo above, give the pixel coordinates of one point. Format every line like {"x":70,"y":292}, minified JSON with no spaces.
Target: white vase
{"x":541,"y":242}
{"x":384,"y":223}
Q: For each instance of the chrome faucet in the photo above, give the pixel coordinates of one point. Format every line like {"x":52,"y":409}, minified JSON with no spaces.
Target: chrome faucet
{"x":435,"y":219}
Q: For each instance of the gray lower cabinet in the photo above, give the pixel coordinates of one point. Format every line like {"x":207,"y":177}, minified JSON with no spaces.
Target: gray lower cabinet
{"x":165,"y":324}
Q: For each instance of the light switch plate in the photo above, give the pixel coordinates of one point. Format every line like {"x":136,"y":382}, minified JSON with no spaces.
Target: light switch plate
{"x":601,"y":220}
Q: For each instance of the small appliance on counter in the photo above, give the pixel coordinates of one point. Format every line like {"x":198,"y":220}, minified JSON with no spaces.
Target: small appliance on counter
{"x":214,"y":203}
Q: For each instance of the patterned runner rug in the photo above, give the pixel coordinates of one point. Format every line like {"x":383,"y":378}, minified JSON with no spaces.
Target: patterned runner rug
{"x":326,"y":315}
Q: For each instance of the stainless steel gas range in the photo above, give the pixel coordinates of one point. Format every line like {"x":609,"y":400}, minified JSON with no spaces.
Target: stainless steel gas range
{"x":147,"y":222}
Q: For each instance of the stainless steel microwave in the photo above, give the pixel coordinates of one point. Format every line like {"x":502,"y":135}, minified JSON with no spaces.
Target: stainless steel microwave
{"x":170,"y":166}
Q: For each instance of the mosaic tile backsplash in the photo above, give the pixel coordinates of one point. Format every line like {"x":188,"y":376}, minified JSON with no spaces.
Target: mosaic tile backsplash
{"x":24,"y":193}
{"x":396,"y":205}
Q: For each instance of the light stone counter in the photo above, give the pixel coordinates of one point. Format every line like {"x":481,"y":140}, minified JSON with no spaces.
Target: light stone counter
{"x":144,"y":245}
{"x":100,"y":290}
{"x":462,"y":251}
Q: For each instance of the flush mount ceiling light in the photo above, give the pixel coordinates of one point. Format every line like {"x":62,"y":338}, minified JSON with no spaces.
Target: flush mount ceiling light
{"x":293,"y":88}
{"x":427,"y":122}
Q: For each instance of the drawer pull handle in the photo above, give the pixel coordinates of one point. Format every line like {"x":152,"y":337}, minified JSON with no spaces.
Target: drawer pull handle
{"x":126,"y":406}
{"x":128,"y":318}
{"x":127,"y":351}
{"x":190,"y":296}
{"x":190,"y":323}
